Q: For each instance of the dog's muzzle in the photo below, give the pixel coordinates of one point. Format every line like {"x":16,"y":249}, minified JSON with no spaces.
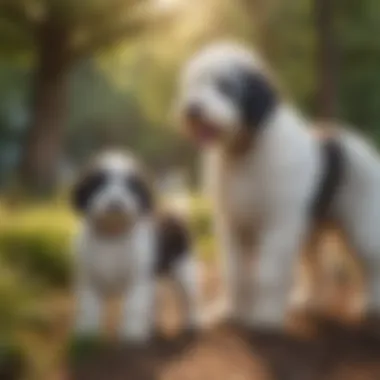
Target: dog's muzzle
{"x":198,"y":127}
{"x":113,"y":222}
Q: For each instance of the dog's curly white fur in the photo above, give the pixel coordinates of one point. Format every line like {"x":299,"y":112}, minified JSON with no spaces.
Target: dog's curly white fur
{"x":263,"y":191}
{"x":126,"y":259}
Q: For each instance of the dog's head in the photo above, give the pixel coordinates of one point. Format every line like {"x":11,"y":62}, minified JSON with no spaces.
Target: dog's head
{"x":113,"y":192}
{"x":225,"y":92}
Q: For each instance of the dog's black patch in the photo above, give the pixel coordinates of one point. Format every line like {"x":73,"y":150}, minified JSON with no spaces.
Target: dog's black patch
{"x":257,"y":98}
{"x":86,"y":188}
{"x":141,"y":190}
{"x":173,"y":242}
{"x":333,"y":165}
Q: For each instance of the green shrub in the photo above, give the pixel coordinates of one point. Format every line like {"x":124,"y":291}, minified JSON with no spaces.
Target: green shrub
{"x":200,"y":219}
{"x":19,"y":312}
{"x":37,"y":242}
{"x":202,"y":227}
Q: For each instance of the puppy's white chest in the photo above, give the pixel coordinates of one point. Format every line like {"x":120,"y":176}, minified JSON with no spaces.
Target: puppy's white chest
{"x":110,"y":265}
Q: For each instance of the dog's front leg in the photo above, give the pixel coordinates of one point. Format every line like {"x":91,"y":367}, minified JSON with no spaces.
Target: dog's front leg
{"x":232,"y":268}
{"x":137,"y":312}
{"x":138,"y":303}
{"x":88,"y":312}
{"x":278,"y":249}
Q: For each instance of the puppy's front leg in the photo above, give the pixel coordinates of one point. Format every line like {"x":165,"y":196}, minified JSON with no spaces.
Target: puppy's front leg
{"x":88,"y":313}
{"x":279,"y":246}
{"x":137,"y":312}
{"x":138,"y":304}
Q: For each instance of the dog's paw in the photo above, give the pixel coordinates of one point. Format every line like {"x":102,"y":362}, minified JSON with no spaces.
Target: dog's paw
{"x":137,"y":340}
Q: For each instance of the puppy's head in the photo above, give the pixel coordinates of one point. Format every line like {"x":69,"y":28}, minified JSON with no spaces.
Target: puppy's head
{"x":225,"y":93}
{"x":112,"y":193}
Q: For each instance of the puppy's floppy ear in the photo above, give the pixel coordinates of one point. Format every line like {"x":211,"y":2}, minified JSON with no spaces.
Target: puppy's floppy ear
{"x":77,"y":196}
{"x":258,"y":97}
{"x":88,"y":182}
{"x":141,"y":184}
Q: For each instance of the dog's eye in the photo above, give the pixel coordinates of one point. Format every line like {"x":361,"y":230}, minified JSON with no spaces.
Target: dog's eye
{"x":96,"y":180}
{"x":226,"y":87}
{"x":141,"y":190}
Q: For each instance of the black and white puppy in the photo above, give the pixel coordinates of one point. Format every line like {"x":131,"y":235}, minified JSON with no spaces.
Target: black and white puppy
{"x":124,"y":245}
{"x":270,"y":178}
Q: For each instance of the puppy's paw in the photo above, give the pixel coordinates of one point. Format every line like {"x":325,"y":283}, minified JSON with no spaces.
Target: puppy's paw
{"x":137,"y":338}
{"x":262,"y":318}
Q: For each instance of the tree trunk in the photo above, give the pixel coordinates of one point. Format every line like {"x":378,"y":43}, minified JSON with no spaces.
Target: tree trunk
{"x":326,"y":59}
{"x":42,"y":150}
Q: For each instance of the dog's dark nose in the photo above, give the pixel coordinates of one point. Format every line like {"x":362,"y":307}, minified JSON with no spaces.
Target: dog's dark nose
{"x":115,"y":206}
{"x":194,"y":111}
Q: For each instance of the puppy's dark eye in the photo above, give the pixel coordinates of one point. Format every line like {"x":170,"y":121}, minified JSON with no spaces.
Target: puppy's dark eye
{"x":85,"y":189}
{"x":141,"y":190}
{"x":226,"y":87}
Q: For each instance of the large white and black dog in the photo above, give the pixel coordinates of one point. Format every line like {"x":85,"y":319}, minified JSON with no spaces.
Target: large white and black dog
{"x":125,"y":245}
{"x":273,"y":182}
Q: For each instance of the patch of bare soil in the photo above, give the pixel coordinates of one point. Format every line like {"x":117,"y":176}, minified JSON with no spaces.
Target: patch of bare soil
{"x":229,"y":354}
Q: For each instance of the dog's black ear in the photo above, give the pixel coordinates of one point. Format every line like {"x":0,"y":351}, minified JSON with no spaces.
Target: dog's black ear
{"x":84,"y":189}
{"x":142,"y":190}
{"x":258,"y":98}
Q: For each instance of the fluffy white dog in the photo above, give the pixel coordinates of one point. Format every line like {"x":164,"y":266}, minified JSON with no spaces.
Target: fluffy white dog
{"x":125,"y":245}
{"x":273,"y":182}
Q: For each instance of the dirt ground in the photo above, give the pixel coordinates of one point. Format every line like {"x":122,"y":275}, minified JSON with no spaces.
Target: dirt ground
{"x":228,"y":353}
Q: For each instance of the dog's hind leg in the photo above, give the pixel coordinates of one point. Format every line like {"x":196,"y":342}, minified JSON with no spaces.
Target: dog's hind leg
{"x":187,"y":278}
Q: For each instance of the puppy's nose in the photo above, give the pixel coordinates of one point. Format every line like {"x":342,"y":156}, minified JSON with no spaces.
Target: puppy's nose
{"x":194,"y":111}
{"x":115,"y":205}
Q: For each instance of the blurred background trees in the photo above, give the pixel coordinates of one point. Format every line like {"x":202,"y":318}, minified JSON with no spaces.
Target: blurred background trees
{"x":79,"y":76}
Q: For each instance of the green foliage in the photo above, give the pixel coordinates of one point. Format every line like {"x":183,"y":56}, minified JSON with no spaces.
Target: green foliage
{"x":200,"y":217}
{"x":290,"y":47}
{"x":37,"y":243}
{"x":14,"y":300}
{"x":92,"y":24}
{"x":103,"y":114}
{"x":202,"y":227}
{"x":359,"y":62}
{"x":17,"y":305}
